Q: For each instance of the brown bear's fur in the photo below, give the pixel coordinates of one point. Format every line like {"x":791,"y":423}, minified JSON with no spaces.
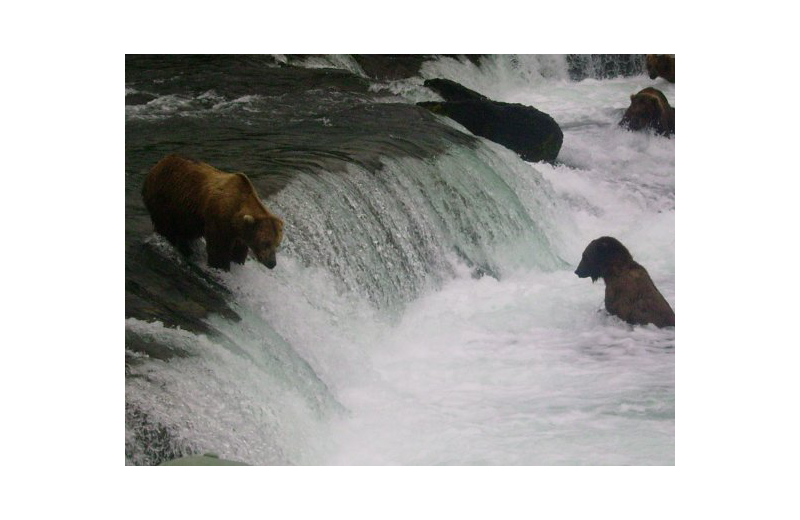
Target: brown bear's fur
{"x":661,"y":65}
{"x":630,"y":293}
{"x":650,"y":109}
{"x":189,"y":199}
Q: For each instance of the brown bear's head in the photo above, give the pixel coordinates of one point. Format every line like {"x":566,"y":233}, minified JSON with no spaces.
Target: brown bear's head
{"x":263,"y":235}
{"x":644,"y":112}
{"x":602,"y":257}
{"x":652,"y":65}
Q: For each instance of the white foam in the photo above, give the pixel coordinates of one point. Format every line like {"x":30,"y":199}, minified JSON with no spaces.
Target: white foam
{"x":175,"y":105}
{"x":519,"y":371}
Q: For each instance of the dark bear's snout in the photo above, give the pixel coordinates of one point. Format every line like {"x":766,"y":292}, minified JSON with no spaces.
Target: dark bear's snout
{"x":599,"y":257}
{"x":583,"y":271}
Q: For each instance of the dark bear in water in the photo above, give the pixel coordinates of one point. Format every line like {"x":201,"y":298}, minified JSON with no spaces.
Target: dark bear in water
{"x":630,"y":293}
{"x":650,"y":109}
{"x":661,"y":65}
{"x":189,"y":199}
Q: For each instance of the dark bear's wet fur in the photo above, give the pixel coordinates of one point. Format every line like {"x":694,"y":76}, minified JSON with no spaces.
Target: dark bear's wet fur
{"x":661,"y":65}
{"x":188,"y":199}
{"x":630,"y":293}
{"x":650,"y":109}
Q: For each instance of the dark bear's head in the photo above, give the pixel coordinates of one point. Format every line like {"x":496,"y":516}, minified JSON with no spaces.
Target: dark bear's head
{"x":644,"y":112}
{"x":263,"y":235}
{"x":602,"y":257}
{"x":652,"y":65}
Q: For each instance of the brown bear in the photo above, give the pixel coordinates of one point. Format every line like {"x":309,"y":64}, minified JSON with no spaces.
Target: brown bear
{"x":661,"y":65}
{"x":188,"y":199}
{"x":630,"y":293}
{"x":650,"y":109}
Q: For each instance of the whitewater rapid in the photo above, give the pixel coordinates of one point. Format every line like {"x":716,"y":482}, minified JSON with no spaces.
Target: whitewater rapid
{"x":429,"y":314}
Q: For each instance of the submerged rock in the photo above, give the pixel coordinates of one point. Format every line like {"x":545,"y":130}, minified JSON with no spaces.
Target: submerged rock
{"x":534,"y":135}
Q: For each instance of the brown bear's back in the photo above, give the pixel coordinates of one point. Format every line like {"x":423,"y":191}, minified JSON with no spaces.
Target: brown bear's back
{"x":632,"y":295}
{"x":178,"y":191}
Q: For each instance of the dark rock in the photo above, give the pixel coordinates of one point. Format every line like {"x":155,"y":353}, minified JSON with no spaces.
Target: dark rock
{"x":390,"y":66}
{"x":452,"y":91}
{"x":534,"y":135}
{"x":178,"y":294}
{"x":475,"y":59}
{"x":138,"y":98}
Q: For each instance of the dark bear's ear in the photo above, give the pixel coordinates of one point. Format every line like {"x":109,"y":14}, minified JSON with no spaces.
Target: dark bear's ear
{"x":633,"y":96}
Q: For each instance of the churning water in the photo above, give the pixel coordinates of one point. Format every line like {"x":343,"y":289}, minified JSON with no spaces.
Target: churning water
{"x":424,"y":308}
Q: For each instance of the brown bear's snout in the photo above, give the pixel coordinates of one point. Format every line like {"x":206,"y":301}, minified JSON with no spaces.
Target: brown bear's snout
{"x":268,"y":260}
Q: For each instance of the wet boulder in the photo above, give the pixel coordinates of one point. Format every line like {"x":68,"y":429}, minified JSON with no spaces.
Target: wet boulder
{"x":534,"y":135}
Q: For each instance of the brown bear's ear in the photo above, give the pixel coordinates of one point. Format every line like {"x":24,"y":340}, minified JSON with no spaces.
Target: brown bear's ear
{"x":632,"y":96}
{"x":248,"y":219}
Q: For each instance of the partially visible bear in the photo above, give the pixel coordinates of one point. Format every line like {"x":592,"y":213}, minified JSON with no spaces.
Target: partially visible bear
{"x":630,"y":293}
{"x":650,"y":109}
{"x":188,"y":199}
{"x":661,"y":65}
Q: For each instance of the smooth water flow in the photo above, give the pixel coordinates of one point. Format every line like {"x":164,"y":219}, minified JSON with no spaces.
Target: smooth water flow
{"x":424,"y":308}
